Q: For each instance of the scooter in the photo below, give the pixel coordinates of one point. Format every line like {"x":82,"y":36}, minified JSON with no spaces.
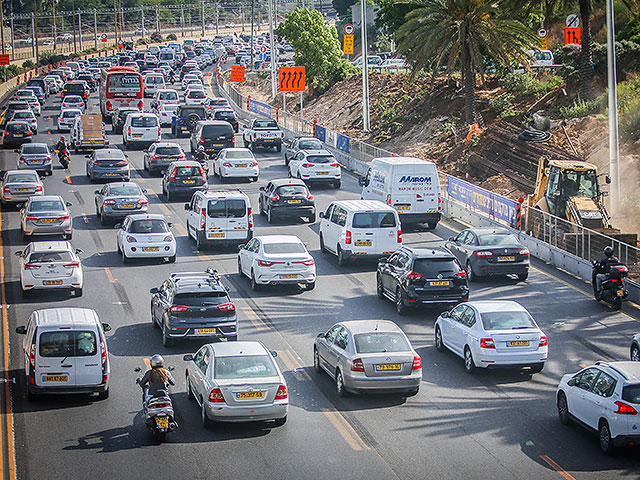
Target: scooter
{"x":64,"y":158}
{"x":158,"y":414}
{"x":613,"y":291}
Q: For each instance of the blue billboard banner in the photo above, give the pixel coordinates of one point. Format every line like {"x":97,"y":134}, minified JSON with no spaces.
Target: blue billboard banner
{"x":497,"y":206}
{"x":321,"y":133}
{"x":342,"y":143}
{"x":260,"y":108}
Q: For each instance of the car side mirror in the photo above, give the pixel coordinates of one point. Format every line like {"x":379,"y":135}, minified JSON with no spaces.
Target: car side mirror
{"x":607,"y":179}
{"x":261,"y":189}
{"x":79,"y":251}
{"x":137,"y":369}
{"x":153,"y":290}
{"x":383,"y":260}
{"x":96,"y":192}
{"x":106,"y":327}
{"x":171,"y":368}
{"x":19,"y":205}
{"x":274,"y":354}
{"x":18,"y":253}
{"x":188,"y":358}
{"x":68,"y":204}
{"x":453,"y":239}
{"x":21,"y":330}
{"x":241,"y":247}
{"x":321,"y":214}
{"x":320,"y":335}
{"x":571,"y":382}
{"x":361,"y":182}
{"x":444,"y":314}
{"x":170,"y":224}
{"x":117,"y":225}
{"x":87,"y":156}
{"x":17,"y":151}
{"x":187,"y":206}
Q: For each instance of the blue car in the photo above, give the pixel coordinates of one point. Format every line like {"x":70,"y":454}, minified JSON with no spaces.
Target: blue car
{"x":38,"y":91}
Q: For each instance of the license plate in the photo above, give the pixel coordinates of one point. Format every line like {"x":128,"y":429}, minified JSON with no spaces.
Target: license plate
{"x":48,"y":220}
{"x":162,"y":422}
{"x":403,"y":207}
{"x":216,"y":145}
{"x":137,"y":135}
{"x":620,"y":293}
{"x":52,"y":282}
{"x":248,"y":395}
{"x":507,"y":259}
{"x":17,"y":134}
{"x":150,"y":249}
{"x":111,"y":174}
{"x":55,"y":378}
{"x":189,"y":181}
{"x":127,"y":205}
{"x":205,"y":330}
{"x":241,"y":165}
{"x":444,"y":283}
{"x":22,"y":189}
{"x":387,"y":366}
{"x":268,"y":140}
{"x":217,"y":235}
{"x":323,"y":173}
{"x":35,"y":161}
{"x":519,"y":343}
{"x":363,"y":243}
{"x":289,"y":276}
{"x":294,"y":201}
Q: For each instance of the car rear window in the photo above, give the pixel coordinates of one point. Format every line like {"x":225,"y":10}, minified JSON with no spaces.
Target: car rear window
{"x":124,"y":113}
{"x":239,"y":154}
{"x":320,"y":159}
{"x":17,"y":106}
{"x":68,"y":344}
{"x":380,"y":342}
{"x":34,"y":149}
{"x":215,"y":130}
{"x":200,"y":298}
{"x":196,"y":94}
{"x":20,"y":177}
{"x":168,"y":150}
{"x":498,"y":239}
{"x":73,"y":99}
{"x":287,"y":190}
{"x":253,"y":366}
{"x":125,"y":190}
{"x":168,"y":96}
{"x":631,"y":394}
{"x":70,"y":113}
{"x":185,"y":112}
{"x":265,"y":124}
{"x":225,"y":115}
{"x":225,"y":208}
{"x":374,"y":220}
{"x":188,"y":172}
{"x":46,"y":257}
{"x":276,"y":248}
{"x":148,"y":226}
{"x":432,"y":267}
{"x":22,"y":115}
{"x":45,"y":205}
{"x":507,"y":320}
{"x":74,"y":87}
{"x":18,"y":127}
{"x":144,"y":122}
{"x":309,"y":145}
{"x":219,"y":102}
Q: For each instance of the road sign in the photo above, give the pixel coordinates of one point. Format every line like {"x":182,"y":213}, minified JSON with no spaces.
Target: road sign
{"x":348,"y":45}
{"x":349,"y":29}
{"x":572,"y":36}
{"x":292,"y":79}
{"x":263,"y":49}
{"x":4,"y":60}
{"x":103,"y":37}
{"x":542,"y":33}
{"x":262,"y":56}
{"x":237,"y":73}
{"x":573,"y":21}
{"x":544,"y":43}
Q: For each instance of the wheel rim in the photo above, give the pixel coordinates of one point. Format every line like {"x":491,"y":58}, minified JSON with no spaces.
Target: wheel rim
{"x":562,"y":407}
{"x":635,"y":355}
{"x":604,"y":436}
{"x":438,"y":338}
{"x":316,"y":360}
{"x":399,"y":304}
{"x":468,"y":362}
{"x":339,"y":384}
{"x":469,"y":271}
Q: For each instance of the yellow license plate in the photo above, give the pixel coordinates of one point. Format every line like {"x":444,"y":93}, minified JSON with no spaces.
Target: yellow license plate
{"x":127,"y":205}
{"x":150,"y":249}
{"x":137,"y":135}
{"x":23,"y":189}
{"x":217,"y":235}
{"x":162,"y":422}
{"x":519,"y":343}
{"x":387,"y":366}
{"x":241,"y":165}
{"x":205,"y":330}
{"x":444,"y":283}
{"x":248,"y":395}
{"x":53,"y":282}
{"x":289,"y":275}
{"x":55,"y":378}
{"x":17,"y":134}
{"x":111,"y":174}
{"x":35,"y":161}
{"x":507,"y":259}
{"x":48,"y":220}
{"x":403,"y":207}
{"x":323,"y":173}
{"x":294,"y":201}
{"x":269,"y":140}
{"x":620,"y":293}
{"x":363,"y":243}
{"x":189,"y":181}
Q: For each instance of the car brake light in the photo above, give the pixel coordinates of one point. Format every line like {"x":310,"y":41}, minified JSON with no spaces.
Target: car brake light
{"x":155,"y":157}
{"x":178,"y":308}
{"x":439,"y":202}
{"x":399,"y":236}
{"x":275,"y":197}
{"x":226,"y":164}
{"x":624,"y":409}
{"x":203,"y":218}
{"x":389,"y":199}
{"x":63,"y":217}
{"x":461,"y":274}
{"x":143,"y":201}
{"x":282,"y":394}
{"x":307,"y":165}
{"x":129,"y":131}
{"x":335,"y":165}
{"x":131,"y":239}
{"x":29,"y":132}
{"x":227,"y":307}
{"x":23,"y":160}
{"x":347,"y":239}
{"x":308,"y":263}
{"x":253,"y":164}
{"x":6,"y":132}
{"x":109,"y":105}
{"x":524,"y":252}
{"x":168,"y":238}
{"x":201,"y":139}
{"x":6,"y":190}
{"x":204,"y":175}
{"x":32,"y":355}
{"x":266,"y":263}
{"x":309,"y":196}
{"x":31,"y":266}
{"x":172,"y":178}
{"x":140,"y":105}
{"x":72,"y":264}
{"x":250,"y":217}
{"x":487,"y":343}
{"x":417,"y":363}
{"x":159,"y":132}
{"x":414,"y":275}
{"x":31,"y":219}
{"x":109,"y":202}
{"x":216,"y":396}
{"x":483,"y":253}
{"x":543,"y":341}
{"x":103,"y":352}
{"x":357,"y":365}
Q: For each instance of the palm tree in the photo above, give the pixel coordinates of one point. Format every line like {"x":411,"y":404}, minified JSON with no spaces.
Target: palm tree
{"x":445,"y":32}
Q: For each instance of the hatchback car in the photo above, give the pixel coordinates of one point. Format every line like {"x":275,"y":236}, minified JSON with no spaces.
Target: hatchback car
{"x":237,"y":382}
{"x":160,"y":155}
{"x":30,"y":97}
{"x":287,"y":197}
{"x":77,"y":88}
{"x":299,"y":144}
{"x":236,"y":163}
{"x":119,"y":117}
{"x":145,"y":236}
{"x":19,"y":185}
{"x":141,"y":129}
{"x":213,"y":135}
{"x":213,"y":104}
{"x":604,"y":398}
{"x":368,"y":356}
{"x":28,"y":117}
{"x":66,"y":118}
{"x":107,"y":164}
{"x":492,"y":334}
{"x":73,"y":101}
{"x":183,"y":178}
{"x":13,"y":106}
{"x":118,"y":199}
{"x":318,"y":166}
{"x":50,"y":265}
{"x":16,"y":133}
{"x":39,"y":92}
{"x":35,"y":156}
{"x":45,"y":215}
{"x":195,"y":96}
{"x":165,"y":113}
{"x":226,"y":115}
{"x":490,"y":251}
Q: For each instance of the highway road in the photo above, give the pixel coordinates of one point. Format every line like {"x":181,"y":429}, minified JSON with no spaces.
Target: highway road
{"x":496,"y":424}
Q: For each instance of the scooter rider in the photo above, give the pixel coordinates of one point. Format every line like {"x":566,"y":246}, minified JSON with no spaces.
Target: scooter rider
{"x":602,"y":267}
{"x":62,"y":145}
{"x":201,"y":157}
{"x":156,"y":380}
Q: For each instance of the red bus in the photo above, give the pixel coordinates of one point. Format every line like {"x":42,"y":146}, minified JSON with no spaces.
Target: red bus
{"x":120,"y":87}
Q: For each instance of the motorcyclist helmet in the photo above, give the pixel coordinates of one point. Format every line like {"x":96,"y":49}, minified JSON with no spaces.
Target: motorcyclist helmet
{"x":157,"y":361}
{"x":62,"y":139}
{"x":201,"y":148}
{"x":608,"y":252}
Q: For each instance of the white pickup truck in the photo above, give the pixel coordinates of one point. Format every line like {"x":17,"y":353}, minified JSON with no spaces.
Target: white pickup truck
{"x":263,"y":133}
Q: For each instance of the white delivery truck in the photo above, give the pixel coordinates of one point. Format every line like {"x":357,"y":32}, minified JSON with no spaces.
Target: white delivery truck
{"x":410,"y":185}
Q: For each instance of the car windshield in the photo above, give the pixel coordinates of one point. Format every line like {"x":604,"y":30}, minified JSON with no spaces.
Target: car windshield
{"x":265,"y":124}
{"x":188,"y":171}
{"x":287,"y":190}
{"x":580,"y":183}
{"x":67,"y":344}
{"x":45,"y":205}
{"x":498,"y":239}
{"x":148,"y":226}
{"x":21,"y":178}
{"x":380,"y":342}
{"x":309,"y":145}
{"x":631,"y":393}
{"x":168,"y":150}
{"x":320,"y":159}
{"x":276,"y":248}
{"x":48,"y":257}
{"x":251,"y":366}
{"x":239,"y":154}
{"x":374,"y":220}
{"x":507,"y":320}
{"x":122,"y":190}
{"x":34,"y":149}
{"x":226,"y":207}
{"x":144,"y":121}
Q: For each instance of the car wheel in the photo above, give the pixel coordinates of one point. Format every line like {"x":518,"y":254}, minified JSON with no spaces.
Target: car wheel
{"x":432,"y":225}
{"x":312,"y":218}
{"x":438,"y":340}
{"x":168,"y":195}
{"x":342,"y":259}
{"x":239,"y":267}
{"x":536,"y":368}
{"x":199,"y":242}
{"x":190,"y":394}
{"x":323,"y":249}
{"x":469,"y":366}
{"x":26,"y":293}
{"x":261,"y":207}
{"x":563,"y":409}
{"x":254,"y":285}
{"x":144,"y":165}
{"x":278,"y":422}
{"x":310,"y":286}
{"x":337,"y":184}
{"x":204,"y":417}
{"x":125,"y":259}
{"x":103,"y":395}
{"x":278,"y":148}
{"x":379,"y":287}
{"x":25,"y":237}
{"x":166,"y":340}
{"x":316,"y":361}
{"x":635,"y":353}
{"x":340,"y":384}
{"x":232,"y":338}
{"x":523,"y":276}
{"x":413,"y":392}
{"x":401,"y":308}
{"x":616,"y":304}
{"x":103,"y":218}
{"x":252,"y":147}
{"x":172,"y":259}
{"x":606,"y":442}
{"x":471,"y":277}
{"x":77,"y":292}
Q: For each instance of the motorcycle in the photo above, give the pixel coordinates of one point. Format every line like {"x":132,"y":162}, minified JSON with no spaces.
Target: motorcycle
{"x":64,"y":158}
{"x":158,"y":413}
{"x":612,"y":291}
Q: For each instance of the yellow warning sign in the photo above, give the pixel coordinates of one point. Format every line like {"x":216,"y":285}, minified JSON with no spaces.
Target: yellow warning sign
{"x":348,"y":44}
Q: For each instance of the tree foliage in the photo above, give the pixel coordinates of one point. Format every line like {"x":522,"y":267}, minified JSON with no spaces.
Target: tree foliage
{"x":391,"y":14}
{"x":342,"y":6}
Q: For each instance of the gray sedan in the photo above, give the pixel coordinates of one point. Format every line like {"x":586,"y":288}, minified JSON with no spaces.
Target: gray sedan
{"x":237,"y":382}
{"x":46,"y":215}
{"x":160,"y":155}
{"x":35,"y":156}
{"x":301,"y":143}
{"x":118,"y":199}
{"x":108,"y":164}
{"x":368,"y":356}
{"x":19,"y":185}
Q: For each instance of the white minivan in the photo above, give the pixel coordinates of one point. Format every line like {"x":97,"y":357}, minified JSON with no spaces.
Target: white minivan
{"x":141,"y":128}
{"x":410,"y":185}
{"x":153,"y":82}
{"x":219,"y":217}
{"x":65,"y":351}
{"x":354,"y":229}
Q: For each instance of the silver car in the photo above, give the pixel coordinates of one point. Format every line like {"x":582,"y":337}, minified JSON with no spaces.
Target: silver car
{"x":35,"y":156}
{"x":19,"y":185}
{"x":28,"y":117}
{"x":108,"y":164}
{"x":46,"y":215}
{"x":368,"y":356}
{"x":119,"y":199}
{"x":237,"y":382}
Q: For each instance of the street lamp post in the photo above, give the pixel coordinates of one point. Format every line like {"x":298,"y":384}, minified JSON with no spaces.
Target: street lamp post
{"x":614,"y":148}
{"x":366,"y":126}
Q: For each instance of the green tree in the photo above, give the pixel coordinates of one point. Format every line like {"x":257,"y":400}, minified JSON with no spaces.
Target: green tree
{"x":391,"y":14}
{"x":343,"y":6}
{"x":445,"y":32}
{"x":316,"y":47}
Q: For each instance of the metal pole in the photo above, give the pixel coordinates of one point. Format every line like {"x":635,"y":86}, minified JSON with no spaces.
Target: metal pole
{"x":35,"y":30}
{"x":182,"y":20}
{"x":73,"y":24}
{"x":80,"y":28}
{"x":13,"y":37}
{"x":614,"y":149}
{"x":217,"y":17}
{"x":242,"y":19}
{"x":273,"y":52}
{"x":365,"y":68}
{"x":142,"y":19}
{"x":2,"y":26}
{"x":251,"y":45}
{"x":115,"y":19}
{"x":301,"y":114}
{"x":202,"y":17}
{"x":33,"y":33}
{"x":157,"y":18}
{"x":95,"y":29}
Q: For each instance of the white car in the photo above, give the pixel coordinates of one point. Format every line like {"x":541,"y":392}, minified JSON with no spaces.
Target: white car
{"x":141,"y":128}
{"x":276,"y":260}
{"x":54,"y":83}
{"x":166,"y":96}
{"x":195,"y":97}
{"x":188,"y":78}
{"x":26,"y":116}
{"x":73,"y":101}
{"x":492,"y":334}
{"x":146,"y":236}
{"x":165,"y":113}
{"x":316,"y":166}
{"x":29,"y":96}
{"x":66,"y":118}
{"x":153,"y":83}
{"x":605,"y":398}
{"x":50,"y":265}
{"x":236,"y":162}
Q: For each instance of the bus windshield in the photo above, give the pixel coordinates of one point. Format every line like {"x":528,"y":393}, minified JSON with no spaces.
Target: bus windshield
{"x":123,"y":83}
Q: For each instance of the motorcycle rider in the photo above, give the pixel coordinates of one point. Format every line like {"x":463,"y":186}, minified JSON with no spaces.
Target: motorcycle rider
{"x":201,"y":157}
{"x":602,"y":266}
{"x":156,"y":380}
{"x":62,"y":145}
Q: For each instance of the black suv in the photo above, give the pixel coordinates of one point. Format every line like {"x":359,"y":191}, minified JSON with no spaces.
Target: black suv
{"x":87,"y":77}
{"x":120,"y":116}
{"x":192,"y":305}
{"x":183,"y":177}
{"x":213,"y":135}
{"x":411,"y":277}
{"x":186,"y":118}
{"x":287,"y":197}
{"x":76,"y":87}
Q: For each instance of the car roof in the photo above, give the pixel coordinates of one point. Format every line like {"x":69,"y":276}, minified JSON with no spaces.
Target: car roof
{"x":166,"y":144}
{"x":310,"y":153}
{"x":52,"y":245}
{"x":143,"y":114}
{"x":77,"y":110}
{"x":229,"y":349}
{"x":288,"y":181}
{"x":146,"y":216}
{"x":225,"y":194}
{"x":36,"y":144}
{"x":7,"y":172}
{"x":237,"y":149}
{"x":402,"y":160}
{"x":271,"y":239}
{"x":45,"y":198}
{"x":122,"y":184}
{"x":486,"y":306}
{"x":185,"y":163}
{"x":65,"y":316}
{"x":214,"y":123}
{"x":364,"y":326}
{"x":630,"y":370}
{"x":486,"y":230}
{"x":430,"y":252}
{"x":364,"y":205}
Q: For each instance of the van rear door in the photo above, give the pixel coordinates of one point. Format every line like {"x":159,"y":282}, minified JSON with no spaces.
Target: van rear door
{"x":415,"y":190}
{"x":374,"y":232}
{"x":55,"y":358}
{"x":227,"y":218}
{"x":89,"y":357}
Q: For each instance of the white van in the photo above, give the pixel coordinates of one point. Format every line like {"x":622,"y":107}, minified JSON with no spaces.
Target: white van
{"x":220,"y":217}
{"x":354,"y":229}
{"x":65,"y":351}
{"x":410,"y":185}
{"x":167,"y":55}
{"x":153,"y":82}
{"x":141,"y":128}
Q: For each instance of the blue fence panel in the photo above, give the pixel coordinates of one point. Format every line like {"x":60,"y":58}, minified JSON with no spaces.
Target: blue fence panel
{"x":321,"y":133}
{"x":342,"y":143}
{"x":483,"y":200}
{"x":260,"y":108}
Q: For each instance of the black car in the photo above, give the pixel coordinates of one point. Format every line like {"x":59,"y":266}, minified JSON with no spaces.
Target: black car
{"x":16,"y":133}
{"x":182,"y":178}
{"x":87,"y":77}
{"x":287,"y":197}
{"x":40,"y":83}
{"x":226,"y":115}
{"x":490,"y":251}
{"x":186,"y":119}
{"x":75,"y":88}
{"x":120,"y":116}
{"x":193,"y":305}
{"x":213,"y":135}
{"x":412,"y":277}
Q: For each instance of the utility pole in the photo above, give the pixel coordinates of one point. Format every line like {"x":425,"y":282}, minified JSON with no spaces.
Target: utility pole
{"x":95,"y":28}
{"x":366,"y":126}
{"x":614,"y":148}
{"x":2,"y":26}
{"x":202,"y":17}
{"x":274,"y":90}
{"x":182,"y":20}
{"x":242,"y":19}
{"x":33,"y":32}
{"x":217,"y":16}
{"x":55,"y":35}
{"x":157,"y":18}
{"x":142,"y":19}
{"x":115,"y":19}
{"x":252,"y":16}
{"x":73,"y":23}
{"x":13,"y":37}
{"x":80,"y":28}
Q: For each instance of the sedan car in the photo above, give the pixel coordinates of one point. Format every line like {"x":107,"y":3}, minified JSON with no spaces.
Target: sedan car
{"x":73,"y":101}
{"x":165,"y":113}
{"x":28,"y":117}
{"x":118,"y":199}
{"x":160,"y":155}
{"x":237,"y":382}
{"x":213,"y":104}
{"x":66,"y":118}
{"x":227,"y":115}
{"x":277,"y":260}
{"x":287,"y":197}
{"x":13,"y":106}
{"x":301,"y":143}
{"x":50,"y":265}
{"x":492,"y":334}
{"x":236,"y":163}
{"x":368,"y":356}
{"x":108,"y":164}
{"x":195,"y":97}
{"x":30,"y":97}
{"x":145,"y":236}
{"x":19,"y":185}
{"x":46,"y":215}
{"x":35,"y":156}
{"x":316,"y":166}
{"x":490,"y":251}
{"x":635,"y":348}
{"x":16,"y":133}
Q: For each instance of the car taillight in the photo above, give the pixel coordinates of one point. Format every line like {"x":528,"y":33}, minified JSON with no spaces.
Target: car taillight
{"x":159,"y":132}
{"x":178,"y":308}
{"x":308,"y":263}
{"x":307,"y":165}
{"x":357,"y":365}
{"x":6,"y":190}
{"x":129,"y":130}
{"x":168,"y":238}
{"x":201,"y":139}
{"x":6,"y":132}
{"x":63,"y":217}
{"x":182,"y":156}
{"x":439,"y":202}
{"x":266,"y":263}
{"x":29,"y":132}
{"x":461,"y":274}
{"x":483,"y":253}
{"x":203,"y":218}
{"x":227,"y":307}
{"x":624,"y":409}
{"x":72,"y":264}
{"x":22,"y":160}
{"x":543,"y":341}
{"x":335,"y":165}
{"x":524,"y":252}
{"x":31,"y":218}
{"x":172,"y":178}
{"x":216,"y":396}
{"x":253,"y":164}
{"x":487,"y":343}
{"x":140,"y":105}
{"x":189,"y":96}
{"x":275,"y":197}
{"x":282,"y":135}
{"x":399,"y":236}
{"x":131,"y":239}
{"x":204,"y":175}
{"x":143,"y":201}
{"x":226,"y":164}
{"x":250,"y":217}
{"x":347,"y":239}
{"x":417,"y":363}
{"x":155,"y":157}
{"x":103,"y":352}
{"x":309,"y":196}
{"x":32,"y":355}
{"x":282,"y":394}
{"x":109,"y":105}
{"x":414,"y":275}
{"x":31,"y":266}
{"x":109,"y":202}
{"x":389,"y":199}
{"x":48,"y":159}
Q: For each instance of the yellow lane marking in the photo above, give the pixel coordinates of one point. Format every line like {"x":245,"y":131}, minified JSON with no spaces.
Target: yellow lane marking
{"x":254,"y":319}
{"x":294,"y":365}
{"x":164,"y":209}
{"x":146,"y":361}
{"x":107,"y":270}
{"x":557,"y":468}
{"x":209,"y":82}
{"x":286,"y":360}
{"x":345,"y":430}
{"x":181,"y":228}
{"x":204,"y":257}
{"x":68,"y":178}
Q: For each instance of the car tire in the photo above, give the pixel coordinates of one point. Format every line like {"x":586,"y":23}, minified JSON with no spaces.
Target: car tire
{"x":204,"y":417}
{"x":432,"y":225}
{"x":342,"y":259}
{"x":471,"y":277}
{"x":635,"y":353}
{"x":438,"y":340}
{"x":279,"y":422}
{"x":190,"y":394}
{"x":252,"y":147}
{"x":26,"y":293}
{"x":523,"y":276}
{"x":536,"y":368}
{"x":316,"y":361}
{"x":340,"y":391}
{"x":32,"y":397}
{"x":199,"y":242}
{"x":270,"y":217}
{"x":413,"y":392}
{"x":68,"y":236}
{"x":168,"y":195}
{"x":103,"y":218}
{"x":26,"y":237}
{"x":310,"y":286}
{"x":232,"y":338}
{"x":401,"y":308}
{"x":323,"y":249}
{"x":279,"y":148}
{"x":337,"y":184}
{"x":125,"y":259}
{"x":261,"y":207}
{"x":166,"y":340}
{"x":144,"y":165}
{"x":77,"y":292}
{"x":563,"y":409}
{"x":240,"y":267}
{"x":379,"y":287}
{"x":103,"y":395}
{"x":604,"y":435}
{"x":172,"y":259}
{"x":312,"y":218}
{"x":469,"y":366}
{"x":255,"y":286}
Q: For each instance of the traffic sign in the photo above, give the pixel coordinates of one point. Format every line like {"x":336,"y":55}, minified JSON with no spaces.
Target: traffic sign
{"x":349,"y":29}
{"x":4,"y":60}
{"x":544,"y":43}
{"x":292,"y":79}
{"x":103,"y":37}
{"x":348,"y":45}
{"x":237,"y":73}
{"x":542,"y":33}
{"x":572,"y":36}
{"x":263,"y":49}
{"x":262,"y":56}
{"x":573,"y":20}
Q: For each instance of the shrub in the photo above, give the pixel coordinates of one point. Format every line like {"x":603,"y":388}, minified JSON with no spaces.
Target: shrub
{"x":503,"y":104}
{"x":172,"y":37}
{"x":525,"y":84}
{"x":580,"y":108}
{"x":28,"y":65}
{"x":156,"y":37}
{"x":630,"y":122}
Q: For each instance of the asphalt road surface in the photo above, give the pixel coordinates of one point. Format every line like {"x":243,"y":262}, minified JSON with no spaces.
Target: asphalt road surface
{"x":496,"y":424}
